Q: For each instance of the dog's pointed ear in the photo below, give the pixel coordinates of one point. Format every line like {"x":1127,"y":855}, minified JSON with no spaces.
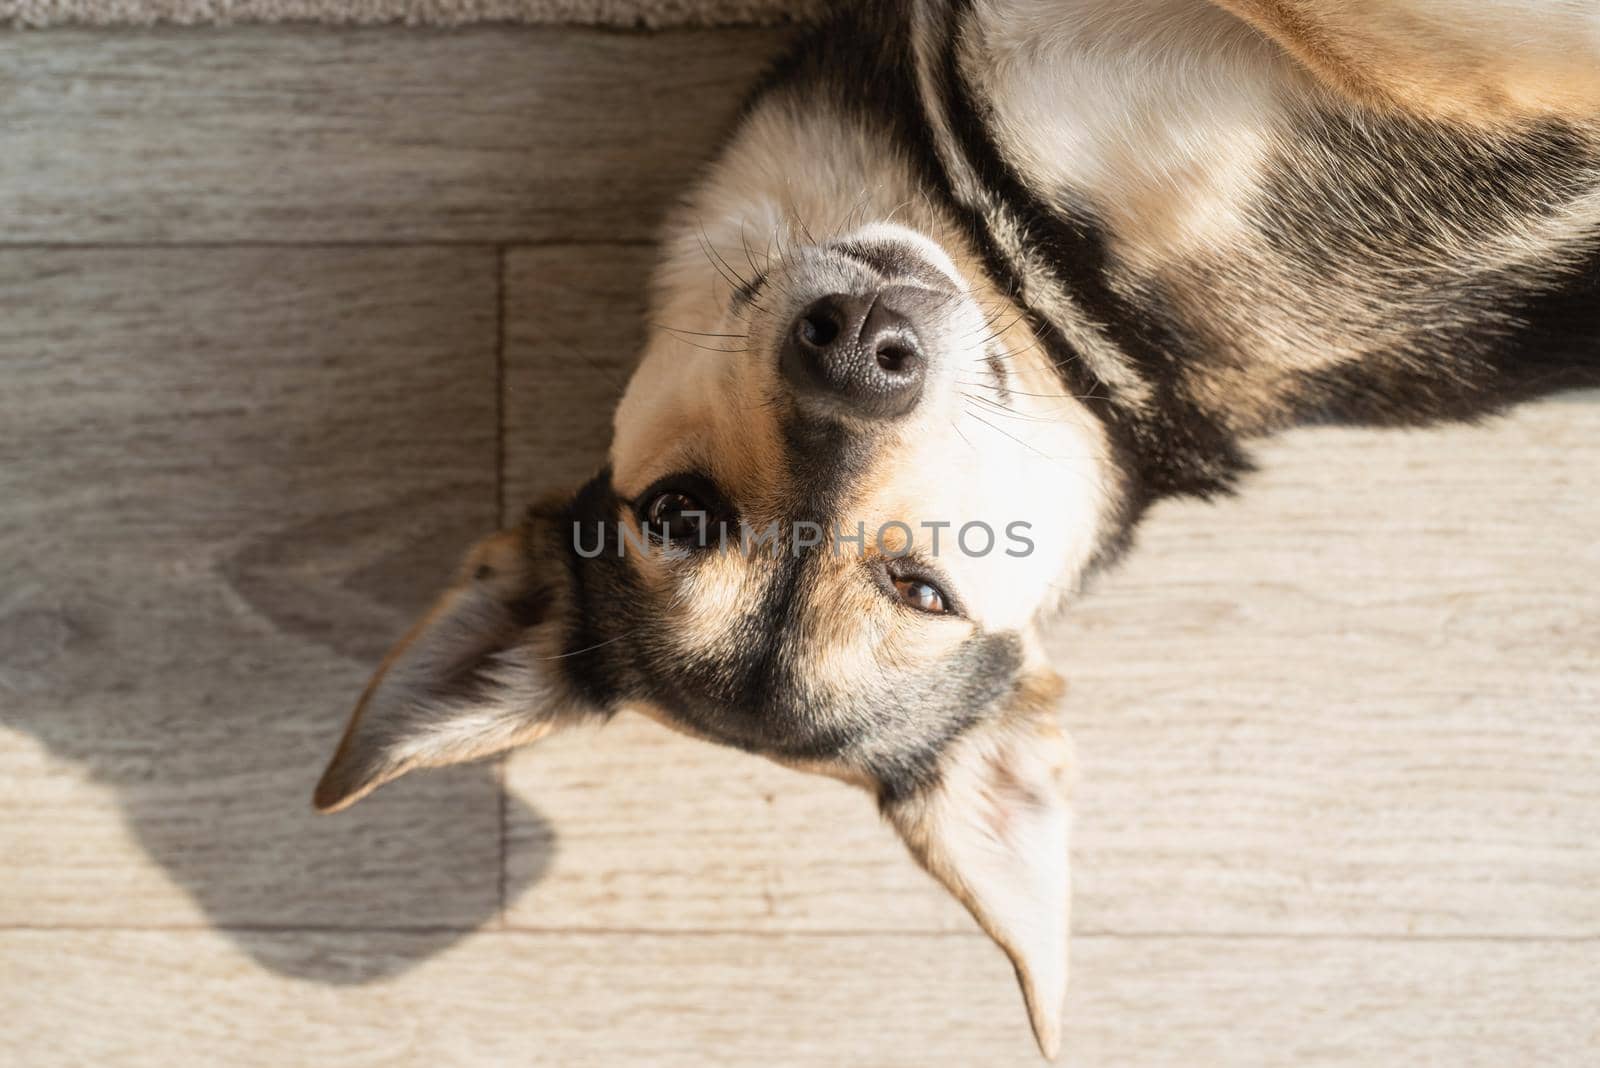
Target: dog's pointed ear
{"x":473,"y":677}
{"x":994,"y":828}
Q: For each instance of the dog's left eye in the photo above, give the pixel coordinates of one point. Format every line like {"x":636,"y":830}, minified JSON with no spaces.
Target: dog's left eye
{"x":676,"y":515}
{"x":922,"y":595}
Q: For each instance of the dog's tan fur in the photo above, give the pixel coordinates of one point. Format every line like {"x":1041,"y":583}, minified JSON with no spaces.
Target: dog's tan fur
{"x":1485,"y":62}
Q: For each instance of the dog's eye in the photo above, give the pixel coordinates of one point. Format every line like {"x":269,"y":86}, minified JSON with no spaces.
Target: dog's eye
{"x":922,"y":595}
{"x":677,"y":516}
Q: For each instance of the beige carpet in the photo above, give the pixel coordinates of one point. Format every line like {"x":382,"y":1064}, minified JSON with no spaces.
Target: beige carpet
{"x":654,"y":13}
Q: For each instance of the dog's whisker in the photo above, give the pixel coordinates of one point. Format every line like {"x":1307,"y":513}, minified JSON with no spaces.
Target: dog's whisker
{"x":697,"y":333}
{"x":1036,"y":345}
{"x":996,"y":334}
{"x":805,"y":229}
{"x":735,"y":281}
{"x":1022,"y":392}
{"x":962,"y":435}
{"x":705,"y":246}
{"x":743,"y":282}
{"x":586,"y":649}
{"x":1011,"y":413}
{"x":1025,"y":444}
{"x":749,"y":258}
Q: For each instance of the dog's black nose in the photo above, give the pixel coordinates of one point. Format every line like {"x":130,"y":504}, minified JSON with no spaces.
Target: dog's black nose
{"x":857,"y":354}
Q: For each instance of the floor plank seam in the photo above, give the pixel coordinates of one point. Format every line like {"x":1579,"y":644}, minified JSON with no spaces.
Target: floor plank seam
{"x":500,"y":385}
{"x":246,"y":243}
{"x":501,"y":801}
{"x":843,"y":932}
{"x":1087,"y":936}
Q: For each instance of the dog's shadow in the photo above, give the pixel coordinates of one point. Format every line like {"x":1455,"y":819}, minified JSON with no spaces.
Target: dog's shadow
{"x":205,"y":705}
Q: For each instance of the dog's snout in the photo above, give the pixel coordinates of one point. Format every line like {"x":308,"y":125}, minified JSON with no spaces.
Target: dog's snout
{"x":860,"y":354}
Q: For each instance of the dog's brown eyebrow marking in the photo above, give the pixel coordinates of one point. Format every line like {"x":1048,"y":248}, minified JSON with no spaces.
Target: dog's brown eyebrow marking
{"x":1002,"y":374}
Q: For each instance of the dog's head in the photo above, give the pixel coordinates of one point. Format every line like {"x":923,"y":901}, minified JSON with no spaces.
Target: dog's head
{"x":842,"y":491}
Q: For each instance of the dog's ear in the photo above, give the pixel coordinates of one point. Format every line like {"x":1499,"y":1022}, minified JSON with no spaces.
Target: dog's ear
{"x":994,"y":829}
{"x":473,"y":677}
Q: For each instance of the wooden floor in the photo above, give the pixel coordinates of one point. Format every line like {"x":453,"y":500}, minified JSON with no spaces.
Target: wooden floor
{"x":287,"y":316}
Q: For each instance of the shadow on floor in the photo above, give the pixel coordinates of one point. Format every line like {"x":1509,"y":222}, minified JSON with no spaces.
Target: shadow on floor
{"x":206,"y":704}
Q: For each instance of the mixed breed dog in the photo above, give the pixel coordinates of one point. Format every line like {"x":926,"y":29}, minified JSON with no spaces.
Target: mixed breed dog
{"x":1007,"y":272}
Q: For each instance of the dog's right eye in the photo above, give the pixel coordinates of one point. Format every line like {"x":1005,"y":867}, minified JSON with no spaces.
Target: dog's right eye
{"x":683,"y":510}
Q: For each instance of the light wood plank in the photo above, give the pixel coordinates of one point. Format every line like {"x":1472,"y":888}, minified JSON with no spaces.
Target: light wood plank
{"x":229,"y":479}
{"x":621,"y":14}
{"x":1360,"y":698}
{"x":160,"y":998}
{"x":574,"y":325}
{"x":275,"y":134}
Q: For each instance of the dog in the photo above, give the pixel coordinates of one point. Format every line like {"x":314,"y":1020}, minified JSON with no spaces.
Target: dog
{"x":1010,"y":271}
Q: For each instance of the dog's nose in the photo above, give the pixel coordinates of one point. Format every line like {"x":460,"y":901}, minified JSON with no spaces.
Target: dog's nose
{"x":860,"y":354}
